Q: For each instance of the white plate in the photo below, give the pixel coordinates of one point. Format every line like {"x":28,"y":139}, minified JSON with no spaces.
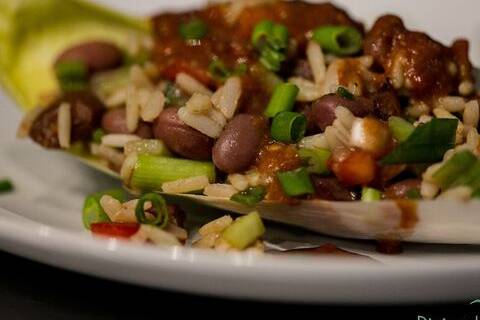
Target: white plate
{"x":41,"y":221}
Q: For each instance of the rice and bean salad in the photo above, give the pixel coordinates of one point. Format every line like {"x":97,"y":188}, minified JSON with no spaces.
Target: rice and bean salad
{"x":268,"y":100}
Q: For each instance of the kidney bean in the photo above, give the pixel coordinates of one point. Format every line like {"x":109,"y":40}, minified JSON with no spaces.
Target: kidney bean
{"x":115,"y":121}
{"x":238,"y":145}
{"x":323,"y":109}
{"x":86,"y":112}
{"x":400,"y":189}
{"x":96,"y":55}
{"x":328,"y":188}
{"x":180,"y":138}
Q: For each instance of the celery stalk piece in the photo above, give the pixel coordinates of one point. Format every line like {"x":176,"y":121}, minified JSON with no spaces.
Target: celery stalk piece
{"x":371,"y":194}
{"x":244,"y":231}
{"x":92,"y":210}
{"x":33,"y":33}
{"x":151,"y":172}
{"x":459,"y":164}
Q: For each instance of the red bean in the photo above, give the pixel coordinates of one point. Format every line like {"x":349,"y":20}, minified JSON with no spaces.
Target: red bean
{"x":180,"y":138}
{"x":323,"y":109}
{"x":115,"y":121}
{"x":328,"y":188}
{"x":96,"y":55}
{"x":238,"y":145}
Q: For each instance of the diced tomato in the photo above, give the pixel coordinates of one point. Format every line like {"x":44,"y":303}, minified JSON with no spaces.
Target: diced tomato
{"x":353,"y":167}
{"x":117,"y":230}
{"x":178,"y":66}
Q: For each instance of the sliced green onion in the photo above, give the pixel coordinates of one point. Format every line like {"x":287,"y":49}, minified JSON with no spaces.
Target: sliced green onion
{"x":400,"y":128}
{"x":317,"y":159}
{"x":244,"y":231}
{"x":98,"y":135}
{"x":271,"y":59}
{"x":427,"y":143}
{"x":105,"y":84}
{"x":283,"y":99}
{"x":413,"y":194}
{"x":454,"y":167}
{"x":344,"y":93}
{"x":296,"y":182}
{"x":218,"y":70}
{"x":251,"y":196}
{"x":240,"y":69}
{"x":151,"y":172}
{"x":160,"y":206}
{"x":261,"y":32}
{"x":72,"y":75}
{"x":470,"y":178}
{"x":278,"y":39}
{"x":288,"y":127}
{"x":371,"y":194}
{"x":339,"y":40}
{"x":195,"y":29}
{"x":476,"y":194}
{"x":6,"y":186}
{"x":92,"y":210}
{"x":173,"y":95}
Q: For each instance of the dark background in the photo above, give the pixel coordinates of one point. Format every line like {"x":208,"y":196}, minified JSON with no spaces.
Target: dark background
{"x":29,"y":290}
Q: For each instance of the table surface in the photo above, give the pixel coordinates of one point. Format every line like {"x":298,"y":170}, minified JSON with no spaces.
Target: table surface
{"x":29,"y":290}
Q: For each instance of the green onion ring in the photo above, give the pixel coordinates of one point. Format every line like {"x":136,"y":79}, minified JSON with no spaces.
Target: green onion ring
{"x":288,"y":127}
{"x":158,"y":204}
{"x":339,"y":40}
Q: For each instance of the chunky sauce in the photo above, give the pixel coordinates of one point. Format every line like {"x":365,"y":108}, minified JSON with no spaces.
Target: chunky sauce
{"x":273,"y":158}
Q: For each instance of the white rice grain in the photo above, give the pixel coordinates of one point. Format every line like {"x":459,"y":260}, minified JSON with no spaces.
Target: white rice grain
{"x":238,"y":181}
{"x":428,"y":190}
{"x":307,"y":90}
{"x":451,"y":103}
{"x":216,"y":226}
{"x":138,"y":78}
{"x":116,"y":99}
{"x":127,"y":168}
{"x":110,"y":205}
{"x":155,"y":235}
{"x":226,"y":98}
{"x":466,"y":88}
{"x":220,"y":190}
{"x":202,"y":123}
{"x":153,"y":106}
{"x":471,"y":114}
{"x":190,"y":85}
{"x":316,"y":60}
{"x":185,"y":185}
{"x":313,"y":142}
{"x":199,"y":103}
{"x":118,"y":140}
{"x":132,"y":108}
{"x":64,"y":122}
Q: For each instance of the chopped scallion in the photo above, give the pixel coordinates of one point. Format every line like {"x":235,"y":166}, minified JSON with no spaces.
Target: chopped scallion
{"x":339,"y":40}
{"x":457,"y":165}
{"x":244,"y":231}
{"x":427,"y":143}
{"x":6,"y":186}
{"x":92,"y":210}
{"x":195,"y":29}
{"x":288,"y":127}
{"x":98,"y":135}
{"x":344,"y":93}
{"x":400,"y":128}
{"x":271,"y":41}
{"x":71,"y":75}
{"x":296,"y":182}
{"x":317,"y":160}
{"x":251,"y":196}
{"x":283,"y":99}
{"x":371,"y":194}
{"x":151,"y":172}
{"x":158,"y":204}
{"x":413,"y":194}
